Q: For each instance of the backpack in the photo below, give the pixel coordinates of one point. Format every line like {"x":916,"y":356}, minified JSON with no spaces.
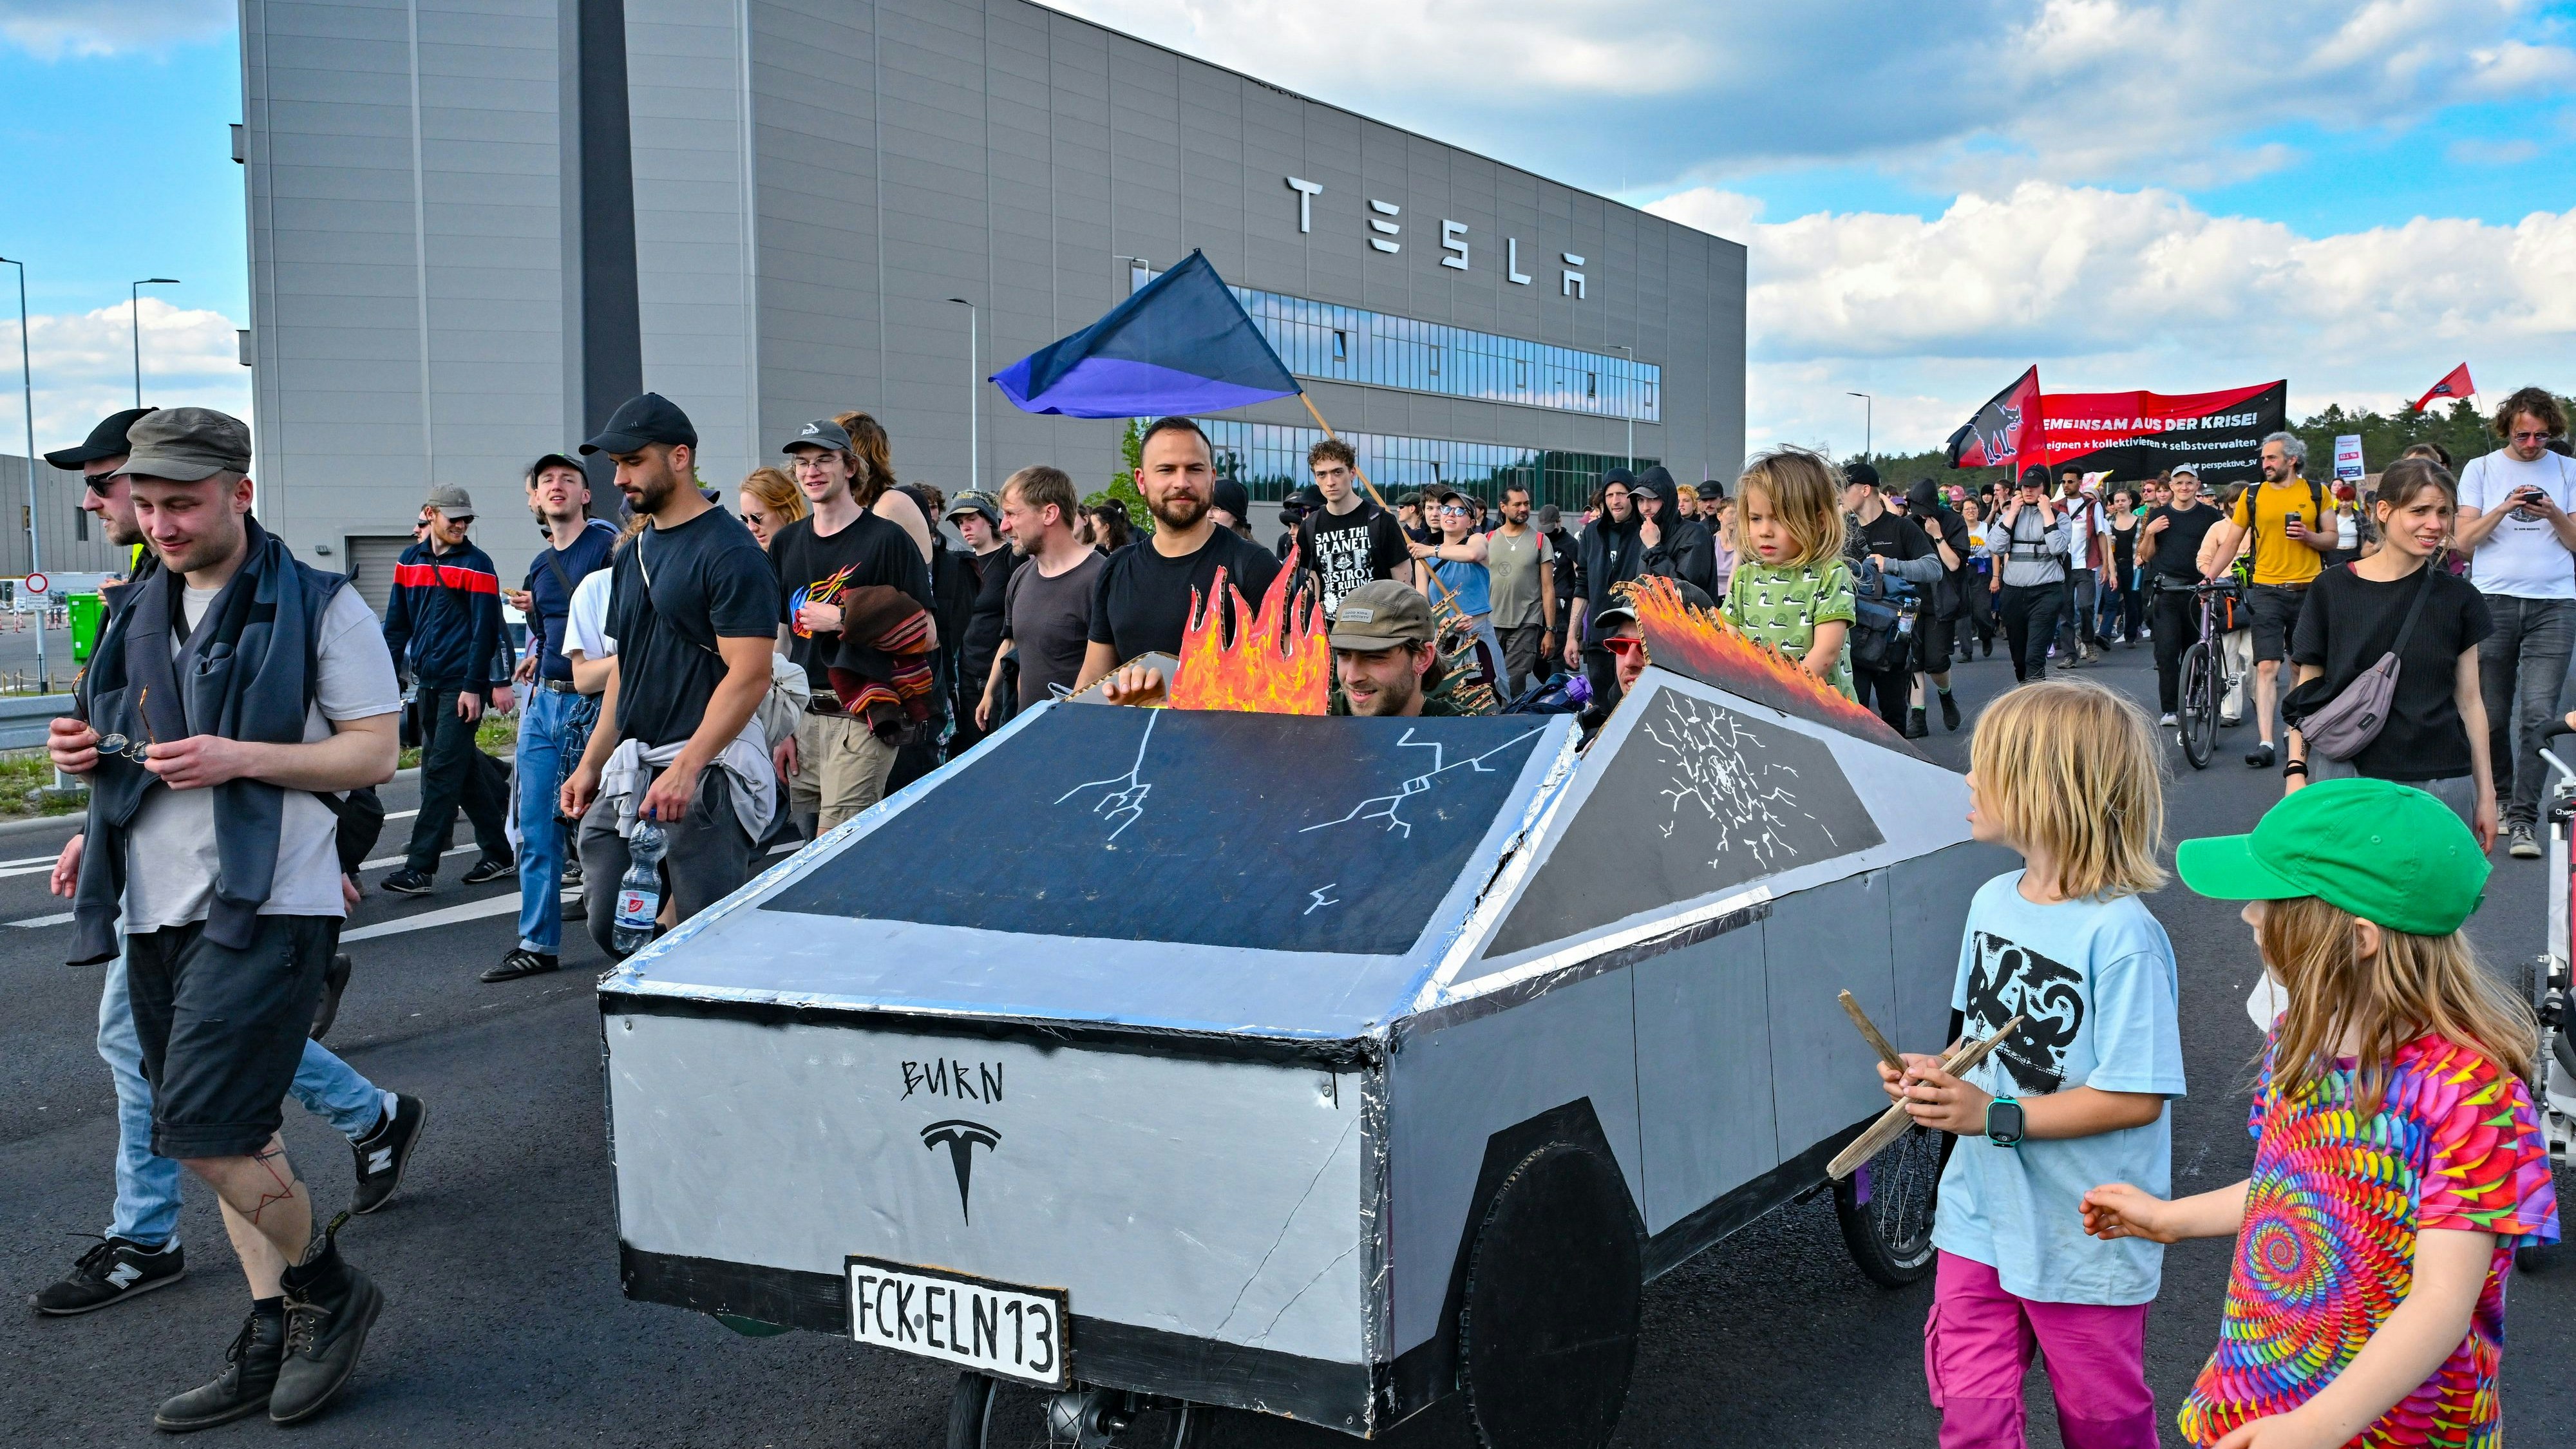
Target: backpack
{"x":1882,"y":636}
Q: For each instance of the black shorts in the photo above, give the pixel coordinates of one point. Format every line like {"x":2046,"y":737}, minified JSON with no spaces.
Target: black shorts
{"x":223,"y":1031}
{"x":1934,"y":639}
{"x":2275,"y":616}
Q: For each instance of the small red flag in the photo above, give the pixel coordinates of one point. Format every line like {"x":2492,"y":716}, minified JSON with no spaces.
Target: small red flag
{"x":2455,"y":385}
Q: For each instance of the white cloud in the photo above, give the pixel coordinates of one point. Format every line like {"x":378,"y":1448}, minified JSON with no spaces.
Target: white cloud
{"x":2123,"y":289}
{"x":1972,"y":94}
{"x":83,"y":365}
{"x":53,"y":29}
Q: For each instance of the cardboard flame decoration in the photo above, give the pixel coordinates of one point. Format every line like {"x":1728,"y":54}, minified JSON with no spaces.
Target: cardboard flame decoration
{"x":1702,"y":645}
{"x":1279,"y":662}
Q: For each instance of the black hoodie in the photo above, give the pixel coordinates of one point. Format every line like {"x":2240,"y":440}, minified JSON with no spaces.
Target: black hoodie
{"x":1923,"y":503}
{"x":1685,"y":550}
{"x":1607,"y":554}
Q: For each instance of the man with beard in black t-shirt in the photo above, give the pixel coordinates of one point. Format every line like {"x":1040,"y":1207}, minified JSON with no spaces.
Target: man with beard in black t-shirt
{"x":2169,"y":552}
{"x":1143,"y":603}
{"x":1350,"y":540}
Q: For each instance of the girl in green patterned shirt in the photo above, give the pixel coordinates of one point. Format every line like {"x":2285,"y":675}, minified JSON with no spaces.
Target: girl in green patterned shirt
{"x":1791,"y":588}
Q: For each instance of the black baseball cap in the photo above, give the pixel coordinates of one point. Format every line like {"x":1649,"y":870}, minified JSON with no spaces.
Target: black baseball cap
{"x":1856,"y":472}
{"x":107,"y":440}
{"x":822,"y":434}
{"x":1309,"y":498}
{"x":650,"y":418}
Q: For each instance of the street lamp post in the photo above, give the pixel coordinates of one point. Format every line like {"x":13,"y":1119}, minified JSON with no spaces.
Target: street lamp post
{"x":27,"y":391}
{"x":1628,"y":405}
{"x":1869,"y":406}
{"x":134,"y":310}
{"x":974,"y":404}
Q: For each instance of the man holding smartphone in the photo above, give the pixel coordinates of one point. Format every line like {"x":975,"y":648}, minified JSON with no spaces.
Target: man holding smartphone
{"x":2514,"y":525}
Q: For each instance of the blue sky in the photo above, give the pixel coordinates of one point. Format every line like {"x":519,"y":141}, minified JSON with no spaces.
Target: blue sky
{"x":2174,"y":194}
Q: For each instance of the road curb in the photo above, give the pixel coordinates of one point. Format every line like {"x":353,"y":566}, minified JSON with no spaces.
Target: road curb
{"x":73,"y":819}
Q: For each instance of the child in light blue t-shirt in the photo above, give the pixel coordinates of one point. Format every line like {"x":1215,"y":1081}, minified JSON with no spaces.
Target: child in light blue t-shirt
{"x":2077,"y":1090}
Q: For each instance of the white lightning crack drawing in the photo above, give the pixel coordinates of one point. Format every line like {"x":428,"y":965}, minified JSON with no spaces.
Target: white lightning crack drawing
{"x":1391,"y":805}
{"x":1318,"y":894}
{"x":1710,"y":757}
{"x":1126,"y":793}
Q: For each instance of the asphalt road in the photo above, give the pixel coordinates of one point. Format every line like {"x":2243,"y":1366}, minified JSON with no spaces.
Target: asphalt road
{"x":506,"y":1325}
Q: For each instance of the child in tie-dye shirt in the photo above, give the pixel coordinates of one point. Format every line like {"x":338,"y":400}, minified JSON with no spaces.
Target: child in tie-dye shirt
{"x":2398,"y":1163}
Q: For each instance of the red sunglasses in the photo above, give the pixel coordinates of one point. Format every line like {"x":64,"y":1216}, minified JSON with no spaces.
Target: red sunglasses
{"x":1624,"y":645}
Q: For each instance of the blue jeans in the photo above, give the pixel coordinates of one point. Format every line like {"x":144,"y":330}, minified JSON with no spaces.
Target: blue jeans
{"x":2520,"y":668}
{"x":147,"y":1186}
{"x":553,"y":727}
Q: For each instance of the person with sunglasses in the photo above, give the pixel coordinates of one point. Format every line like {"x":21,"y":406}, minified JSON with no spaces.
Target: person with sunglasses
{"x":2515,"y":527}
{"x":1454,"y":569}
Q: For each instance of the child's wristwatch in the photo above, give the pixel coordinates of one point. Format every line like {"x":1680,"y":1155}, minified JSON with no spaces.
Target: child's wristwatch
{"x":2004,"y":1122}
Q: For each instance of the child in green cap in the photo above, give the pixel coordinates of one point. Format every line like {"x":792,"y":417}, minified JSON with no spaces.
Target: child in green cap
{"x":2398,"y":1162}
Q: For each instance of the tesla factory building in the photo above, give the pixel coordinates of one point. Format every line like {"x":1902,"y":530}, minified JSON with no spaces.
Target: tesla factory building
{"x":476,"y":226}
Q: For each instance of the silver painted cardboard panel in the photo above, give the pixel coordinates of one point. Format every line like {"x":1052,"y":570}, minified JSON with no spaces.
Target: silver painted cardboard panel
{"x":1451,"y":1088}
{"x":1704,"y":1073}
{"x":1816,"y":944}
{"x":1929,"y":910}
{"x":1219,"y":1200}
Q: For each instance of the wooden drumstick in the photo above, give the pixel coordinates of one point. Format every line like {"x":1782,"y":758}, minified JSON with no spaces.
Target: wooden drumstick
{"x":1869,"y":1031}
{"x":1892,"y":1123}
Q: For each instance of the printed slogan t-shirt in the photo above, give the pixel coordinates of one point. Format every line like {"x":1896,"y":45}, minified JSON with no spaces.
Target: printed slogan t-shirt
{"x":2094,"y":984}
{"x":1347,"y":550}
{"x":2332,"y":1212}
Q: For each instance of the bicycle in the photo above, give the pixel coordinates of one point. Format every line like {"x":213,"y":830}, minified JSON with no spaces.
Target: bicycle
{"x":2550,"y":988}
{"x":2207,"y":675}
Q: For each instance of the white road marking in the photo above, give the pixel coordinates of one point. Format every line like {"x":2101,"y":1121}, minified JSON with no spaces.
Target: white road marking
{"x":31,"y":922}
{"x":448,"y":916}
{"x":380,"y":862}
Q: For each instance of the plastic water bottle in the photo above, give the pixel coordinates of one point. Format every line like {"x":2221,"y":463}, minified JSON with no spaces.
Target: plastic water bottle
{"x":639,"y":891}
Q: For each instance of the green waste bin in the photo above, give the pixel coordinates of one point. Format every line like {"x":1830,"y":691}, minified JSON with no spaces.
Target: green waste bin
{"x":88,"y":612}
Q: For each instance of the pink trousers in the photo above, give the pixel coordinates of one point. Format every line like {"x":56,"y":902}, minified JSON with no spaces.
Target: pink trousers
{"x":1976,"y":1350}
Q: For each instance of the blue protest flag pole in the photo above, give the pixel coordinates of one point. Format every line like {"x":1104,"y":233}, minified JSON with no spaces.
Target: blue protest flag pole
{"x":1181,"y":344}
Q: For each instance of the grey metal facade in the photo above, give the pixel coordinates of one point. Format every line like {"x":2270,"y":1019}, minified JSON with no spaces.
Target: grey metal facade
{"x":440,"y":239}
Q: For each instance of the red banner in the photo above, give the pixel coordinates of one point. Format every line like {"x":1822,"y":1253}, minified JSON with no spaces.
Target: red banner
{"x":2133,"y":435}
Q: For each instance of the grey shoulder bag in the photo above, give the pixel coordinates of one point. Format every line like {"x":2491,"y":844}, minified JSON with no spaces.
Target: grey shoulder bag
{"x":2345,"y":725}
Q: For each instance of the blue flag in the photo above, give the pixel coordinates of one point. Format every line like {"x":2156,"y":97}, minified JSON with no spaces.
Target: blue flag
{"x":1181,"y":344}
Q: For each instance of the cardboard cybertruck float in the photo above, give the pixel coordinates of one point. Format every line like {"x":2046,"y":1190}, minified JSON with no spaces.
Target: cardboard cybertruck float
{"x":1151,"y":1059}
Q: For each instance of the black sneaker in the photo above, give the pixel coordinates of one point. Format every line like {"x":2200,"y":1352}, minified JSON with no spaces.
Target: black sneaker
{"x":572,"y":873}
{"x":408,"y":882}
{"x":335,"y":979}
{"x":383,"y":1153}
{"x":521,"y":962}
{"x":490,"y":868}
{"x":244,"y":1387}
{"x":115,"y":1270}
{"x":2260,"y":757}
{"x":329,"y":1308}
{"x":1915,"y":728}
{"x":2525,"y":844}
{"x":1949,"y":711}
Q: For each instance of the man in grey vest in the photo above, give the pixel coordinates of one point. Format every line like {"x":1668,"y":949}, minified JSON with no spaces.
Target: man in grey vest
{"x":232,"y":699}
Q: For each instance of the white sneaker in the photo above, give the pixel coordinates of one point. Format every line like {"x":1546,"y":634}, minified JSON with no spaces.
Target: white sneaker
{"x":2169,"y":719}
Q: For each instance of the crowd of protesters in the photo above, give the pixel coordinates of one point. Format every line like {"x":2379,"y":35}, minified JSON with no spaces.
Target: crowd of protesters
{"x":741,"y":680}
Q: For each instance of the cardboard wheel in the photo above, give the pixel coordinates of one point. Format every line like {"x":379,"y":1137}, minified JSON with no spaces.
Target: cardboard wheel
{"x":1886,"y":1208}
{"x":1547,"y":1328}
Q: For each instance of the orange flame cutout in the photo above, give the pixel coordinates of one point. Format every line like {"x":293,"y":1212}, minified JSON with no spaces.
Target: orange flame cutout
{"x":1279,"y":662}
{"x":1702,"y":644}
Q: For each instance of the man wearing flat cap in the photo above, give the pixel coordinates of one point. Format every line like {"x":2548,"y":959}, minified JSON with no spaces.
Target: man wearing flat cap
{"x":444,"y":623}
{"x":231,"y":700}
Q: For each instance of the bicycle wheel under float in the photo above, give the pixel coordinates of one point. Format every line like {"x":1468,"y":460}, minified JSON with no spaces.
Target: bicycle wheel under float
{"x":2199,"y":715}
{"x":989,"y":1413}
{"x":1885,"y":1209}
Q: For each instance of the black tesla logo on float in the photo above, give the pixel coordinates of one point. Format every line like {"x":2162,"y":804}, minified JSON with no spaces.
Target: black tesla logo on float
{"x":961,"y":1138}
